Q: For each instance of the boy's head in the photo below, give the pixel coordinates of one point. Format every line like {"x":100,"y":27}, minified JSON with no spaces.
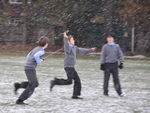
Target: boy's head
{"x":71,"y":40}
{"x":43,"y":41}
{"x":110,"y":39}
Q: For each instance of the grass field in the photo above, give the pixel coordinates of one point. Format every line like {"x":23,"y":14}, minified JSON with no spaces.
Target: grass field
{"x":135,"y":81}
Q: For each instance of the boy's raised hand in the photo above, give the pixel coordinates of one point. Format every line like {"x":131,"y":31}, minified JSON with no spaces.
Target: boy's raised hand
{"x":65,"y":34}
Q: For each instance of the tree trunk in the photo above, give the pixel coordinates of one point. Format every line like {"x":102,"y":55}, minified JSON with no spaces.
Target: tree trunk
{"x":132,"y":39}
{"x":24,"y":22}
{"x":108,"y":12}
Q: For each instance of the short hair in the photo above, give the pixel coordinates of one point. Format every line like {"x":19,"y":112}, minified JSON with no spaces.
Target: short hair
{"x":42,"y":41}
{"x":111,"y":35}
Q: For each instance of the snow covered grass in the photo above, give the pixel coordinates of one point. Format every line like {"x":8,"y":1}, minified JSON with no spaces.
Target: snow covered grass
{"x":135,"y":81}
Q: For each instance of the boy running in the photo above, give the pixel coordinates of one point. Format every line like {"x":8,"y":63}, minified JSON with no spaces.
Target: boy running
{"x":33,"y":58}
{"x":71,"y":52}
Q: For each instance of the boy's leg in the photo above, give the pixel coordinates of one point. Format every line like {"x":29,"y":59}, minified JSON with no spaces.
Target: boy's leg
{"x":67,"y":81}
{"x":24,"y":84}
{"x":106,"y":80}
{"x":116,"y":79}
{"x":77,"y":84}
{"x":20,"y":85}
{"x":33,"y":83}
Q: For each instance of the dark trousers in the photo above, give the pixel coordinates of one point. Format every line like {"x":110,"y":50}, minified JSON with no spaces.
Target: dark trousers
{"x":71,"y":75}
{"x":30,"y":85}
{"x":111,"y":68}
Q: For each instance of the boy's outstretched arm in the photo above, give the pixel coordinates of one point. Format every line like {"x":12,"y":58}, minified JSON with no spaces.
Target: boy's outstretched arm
{"x":93,"y":49}
{"x":83,"y":51}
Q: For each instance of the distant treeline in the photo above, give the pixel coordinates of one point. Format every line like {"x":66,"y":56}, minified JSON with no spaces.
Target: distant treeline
{"x":89,"y":21}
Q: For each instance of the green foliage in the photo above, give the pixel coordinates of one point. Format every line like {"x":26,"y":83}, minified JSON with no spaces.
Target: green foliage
{"x":87,"y":20}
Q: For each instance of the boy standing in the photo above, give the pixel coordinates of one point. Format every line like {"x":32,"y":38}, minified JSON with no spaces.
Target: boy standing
{"x":33,"y":58}
{"x":110,"y":55}
{"x":70,"y":60}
